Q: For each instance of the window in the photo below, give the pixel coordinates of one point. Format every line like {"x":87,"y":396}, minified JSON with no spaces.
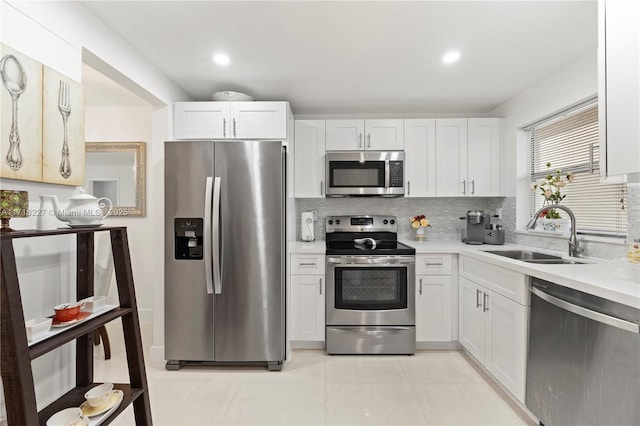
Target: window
{"x":569,"y":141}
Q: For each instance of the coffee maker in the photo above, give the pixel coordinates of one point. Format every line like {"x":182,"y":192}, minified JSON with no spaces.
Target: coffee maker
{"x":472,"y":231}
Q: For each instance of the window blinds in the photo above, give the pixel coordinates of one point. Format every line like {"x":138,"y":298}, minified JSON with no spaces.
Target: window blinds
{"x":569,"y":141}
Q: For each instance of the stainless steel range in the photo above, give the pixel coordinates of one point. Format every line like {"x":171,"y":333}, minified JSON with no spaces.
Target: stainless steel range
{"x":370,"y":287}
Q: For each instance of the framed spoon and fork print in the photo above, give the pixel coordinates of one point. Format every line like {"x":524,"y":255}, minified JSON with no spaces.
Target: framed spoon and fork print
{"x":42,"y":122}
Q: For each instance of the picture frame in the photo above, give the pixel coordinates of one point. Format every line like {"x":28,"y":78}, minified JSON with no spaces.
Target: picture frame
{"x":20,"y":116}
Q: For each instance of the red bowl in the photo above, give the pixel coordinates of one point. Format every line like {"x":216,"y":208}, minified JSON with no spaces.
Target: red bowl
{"x":66,"y":313}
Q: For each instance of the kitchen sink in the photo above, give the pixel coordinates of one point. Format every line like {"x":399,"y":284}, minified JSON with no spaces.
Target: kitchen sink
{"x":554,"y":261}
{"x":535,"y":257}
{"x":524,"y":255}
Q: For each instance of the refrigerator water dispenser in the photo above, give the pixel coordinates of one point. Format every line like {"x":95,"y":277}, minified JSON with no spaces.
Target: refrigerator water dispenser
{"x":188,"y":238}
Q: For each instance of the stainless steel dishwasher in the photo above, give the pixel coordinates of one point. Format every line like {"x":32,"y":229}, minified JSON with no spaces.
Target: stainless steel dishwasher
{"x":584,"y":358}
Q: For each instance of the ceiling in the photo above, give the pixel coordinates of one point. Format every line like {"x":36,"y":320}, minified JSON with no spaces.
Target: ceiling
{"x":358,"y":57}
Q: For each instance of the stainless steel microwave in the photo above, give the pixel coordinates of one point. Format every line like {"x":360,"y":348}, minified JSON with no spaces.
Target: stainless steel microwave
{"x":365,"y":173}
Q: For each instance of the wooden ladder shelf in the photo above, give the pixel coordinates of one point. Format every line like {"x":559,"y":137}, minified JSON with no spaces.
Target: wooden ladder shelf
{"x":16,"y":354}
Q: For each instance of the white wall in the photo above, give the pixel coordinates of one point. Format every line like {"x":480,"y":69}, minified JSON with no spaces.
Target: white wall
{"x":575,"y":82}
{"x":59,"y":35}
{"x":130,"y":124}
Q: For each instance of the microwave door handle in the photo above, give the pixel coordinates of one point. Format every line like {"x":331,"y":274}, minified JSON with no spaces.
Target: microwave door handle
{"x":387,"y":172}
{"x":208,"y":259}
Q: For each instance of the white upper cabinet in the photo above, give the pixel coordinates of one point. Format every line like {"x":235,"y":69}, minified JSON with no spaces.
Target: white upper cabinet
{"x":451,"y":152}
{"x":374,"y":135}
{"x":467,"y":152}
{"x":230,"y":120}
{"x":345,"y":135}
{"x":420,"y":157}
{"x":483,"y":156}
{"x":309,"y":153}
{"x":619,"y":86}
{"x":384,"y":135}
{"x":200,"y":120}
{"x":259,"y":120}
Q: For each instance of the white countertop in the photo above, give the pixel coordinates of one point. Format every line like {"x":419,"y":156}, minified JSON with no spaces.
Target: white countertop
{"x":307,"y":246}
{"x":617,"y":281}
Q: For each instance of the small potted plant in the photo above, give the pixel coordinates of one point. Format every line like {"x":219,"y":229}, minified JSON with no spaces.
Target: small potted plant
{"x":420,"y":223}
{"x":549,"y":188}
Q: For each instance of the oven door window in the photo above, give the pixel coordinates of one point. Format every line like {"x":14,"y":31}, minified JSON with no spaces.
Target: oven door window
{"x":380,"y":288}
{"x":353,"y":174}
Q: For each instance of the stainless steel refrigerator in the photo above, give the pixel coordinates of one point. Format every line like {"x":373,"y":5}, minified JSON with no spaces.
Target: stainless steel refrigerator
{"x":225,"y":252}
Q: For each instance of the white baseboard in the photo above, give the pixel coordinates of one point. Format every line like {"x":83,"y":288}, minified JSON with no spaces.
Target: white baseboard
{"x":156,"y":355}
{"x":299,"y":344}
{"x":438,"y":345}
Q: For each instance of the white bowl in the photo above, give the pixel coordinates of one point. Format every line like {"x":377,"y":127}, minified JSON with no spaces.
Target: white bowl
{"x":231,"y":96}
{"x":37,"y":327}
{"x":94,"y":303}
{"x":68,"y":417}
{"x":99,"y":395}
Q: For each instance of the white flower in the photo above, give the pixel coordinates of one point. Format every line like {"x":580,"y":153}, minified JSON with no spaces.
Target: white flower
{"x":559,"y":184}
{"x":547,"y":194}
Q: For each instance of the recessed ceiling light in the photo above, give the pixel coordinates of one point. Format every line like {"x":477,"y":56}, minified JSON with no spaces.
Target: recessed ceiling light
{"x":451,"y":57}
{"x":221,"y":59}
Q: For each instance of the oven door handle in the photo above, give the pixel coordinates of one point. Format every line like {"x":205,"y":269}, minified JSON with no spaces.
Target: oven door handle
{"x":380,"y":261}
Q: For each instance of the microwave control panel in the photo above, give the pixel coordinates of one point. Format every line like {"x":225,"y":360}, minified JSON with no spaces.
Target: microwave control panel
{"x":396,"y":174}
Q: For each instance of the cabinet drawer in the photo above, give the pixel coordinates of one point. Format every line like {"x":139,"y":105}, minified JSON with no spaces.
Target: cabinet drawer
{"x":508,"y":283}
{"x":307,"y":264}
{"x":433,"y":264}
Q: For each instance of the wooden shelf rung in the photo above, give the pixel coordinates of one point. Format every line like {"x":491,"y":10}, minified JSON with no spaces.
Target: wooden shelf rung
{"x":75,"y":397}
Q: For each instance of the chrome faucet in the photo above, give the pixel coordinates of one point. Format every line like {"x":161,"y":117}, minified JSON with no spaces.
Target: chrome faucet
{"x":574,"y":248}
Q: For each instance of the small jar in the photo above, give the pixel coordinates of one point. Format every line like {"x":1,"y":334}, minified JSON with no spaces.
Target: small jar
{"x":633,"y":250}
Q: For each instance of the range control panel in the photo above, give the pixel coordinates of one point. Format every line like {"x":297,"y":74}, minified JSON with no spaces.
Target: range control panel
{"x":361,"y":224}
{"x":396,"y":174}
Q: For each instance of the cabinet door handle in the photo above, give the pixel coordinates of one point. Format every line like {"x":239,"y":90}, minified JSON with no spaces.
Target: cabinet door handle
{"x":478,"y":293}
{"x":434,"y":264}
{"x":591,"y":158}
{"x":420,"y":285}
{"x":320,"y":286}
{"x":321,"y":188}
{"x":409,"y":187}
{"x":224,"y":127}
{"x":473,"y":187}
{"x":368,"y":140}
{"x":307,"y":264}
{"x":359,"y":140}
{"x":464,"y":187}
{"x":485,"y":304}
{"x":234,"y":127}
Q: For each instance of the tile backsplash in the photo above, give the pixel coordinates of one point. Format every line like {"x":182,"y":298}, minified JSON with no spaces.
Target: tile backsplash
{"x":443,"y":213}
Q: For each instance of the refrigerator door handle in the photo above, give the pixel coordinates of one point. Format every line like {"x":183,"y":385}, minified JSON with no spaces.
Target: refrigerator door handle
{"x":208,"y":275}
{"x":215,"y":237}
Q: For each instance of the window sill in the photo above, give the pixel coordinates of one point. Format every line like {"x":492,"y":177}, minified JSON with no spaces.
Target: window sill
{"x":581,"y":237}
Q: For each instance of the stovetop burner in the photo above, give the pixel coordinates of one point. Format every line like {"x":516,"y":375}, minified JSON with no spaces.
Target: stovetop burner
{"x":364,"y":235}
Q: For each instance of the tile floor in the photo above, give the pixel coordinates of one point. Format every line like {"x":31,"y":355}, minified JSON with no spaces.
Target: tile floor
{"x":430,"y":388}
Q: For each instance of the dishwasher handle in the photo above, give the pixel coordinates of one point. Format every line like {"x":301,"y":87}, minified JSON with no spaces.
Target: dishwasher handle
{"x":587,"y":313}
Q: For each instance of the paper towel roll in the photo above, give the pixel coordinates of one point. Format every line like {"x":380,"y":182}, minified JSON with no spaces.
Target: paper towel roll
{"x":307,"y":232}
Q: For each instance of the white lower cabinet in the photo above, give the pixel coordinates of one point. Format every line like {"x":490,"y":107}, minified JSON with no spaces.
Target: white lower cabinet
{"x":307,"y":298}
{"x":433,"y":308}
{"x":307,"y":307}
{"x":493,"y":329}
{"x":434,"y":295}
